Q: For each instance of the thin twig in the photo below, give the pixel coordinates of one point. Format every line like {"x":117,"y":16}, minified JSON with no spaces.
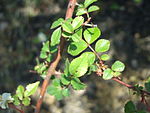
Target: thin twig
{"x":14,"y":107}
{"x":54,"y":64}
{"x":130,"y":86}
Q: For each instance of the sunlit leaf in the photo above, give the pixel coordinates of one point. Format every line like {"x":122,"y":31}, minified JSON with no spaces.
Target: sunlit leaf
{"x":93,"y":8}
{"x":31,"y":89}
{"x":67,"y":27}
{"x":76,"y":48}
{"x":107,"y":74}
{"x":102,"y":45}
{"x":78,"y":67}
{"x":77,"y":22}
{"x":118,"y":66}
{"x":105,"y":57}
{"x":20,"y":92}
{"x":88,"y":2}
{"x":55,"y":38}
{"x":57,"y":23}
{"x":91,"y":34}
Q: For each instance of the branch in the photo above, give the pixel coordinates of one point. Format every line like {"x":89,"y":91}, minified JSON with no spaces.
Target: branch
{"x":54,"y":64}
{"x":14,"y":107}
{"x":130,"y":86}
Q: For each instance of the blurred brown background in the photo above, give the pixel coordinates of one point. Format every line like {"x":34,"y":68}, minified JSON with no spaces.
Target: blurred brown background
{"x":25,"y":24}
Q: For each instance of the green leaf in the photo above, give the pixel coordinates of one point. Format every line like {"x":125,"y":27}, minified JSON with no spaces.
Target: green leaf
{"x":91,"y":34}
{"x":43,"y":55}
{"x":77,"y":84}
{"x":78,"y":67}
{"x":20,"y":92}
{"x":76,"y":38}
{"x":31,"y":89}
{"x":102,"y":45}
{"x":76,"y":48}
{"x":92,"y":68}
{"x":16,"y":100}
{"x":105,"y":57}
{"x":147,"y":86}
{"x":55,"y":91}
{"x":79,"y":32}
{"x":65,"y":80}
{"x":55,"y":39}
{"x":26,"y":101}
{"x":56,"y":82}
{"x":88,"y":2}
{"x":107,"y":74}
{"x":93,"y":8}
{"x":49,"y":58}
{"x":45,"y":47}
{"x":130,"y":107}
{"x":57,"y":23}
{"x":81,"y":11}
{"x":66,"y":92}
{"x":66,"y":35}
{"x":116,"y":74}
{"x":77,"y":22}
{"x":66,"y":70}
{"x":67,"y":27}
{"x":89,"y":56}
{"x":118,"y":66}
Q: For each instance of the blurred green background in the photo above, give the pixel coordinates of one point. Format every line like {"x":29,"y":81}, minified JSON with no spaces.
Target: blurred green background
{"x":25,"y":24}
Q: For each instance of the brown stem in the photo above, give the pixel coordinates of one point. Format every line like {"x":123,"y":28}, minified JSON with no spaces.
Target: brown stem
{"x":54,"y":64}
{"x":130,"y":86}
{"x":14,"y":107}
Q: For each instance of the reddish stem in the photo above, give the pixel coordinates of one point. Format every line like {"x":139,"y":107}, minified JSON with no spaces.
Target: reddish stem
{"x":14,"y":107}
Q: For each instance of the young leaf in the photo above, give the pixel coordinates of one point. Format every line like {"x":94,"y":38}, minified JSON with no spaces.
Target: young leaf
{"x":116,"y":74}
{"x":26,"y":101}
{"x":130,"y":107}
{"x":102,"y":45}
{"x":78,"y":67}
{"x":77,"y":22}
{"x":81,"y":11}
{"x":45,"y":47}
{"x":76,"y":48}
{"x":67,"y":27}
{"x":91,"y":34}
{"x":20,"y":92}
{"x":57,"y":23}
{"x":88,"y":2}
{"x":77,"y":84}
{"x":16,"y":100}
{"x":107,"y":74}
{"x":31,"y":89}
{"x":55,"y":39}
{"x":118,"y":66}
{"x":93,"y":8}
{"x":105,"y":57}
